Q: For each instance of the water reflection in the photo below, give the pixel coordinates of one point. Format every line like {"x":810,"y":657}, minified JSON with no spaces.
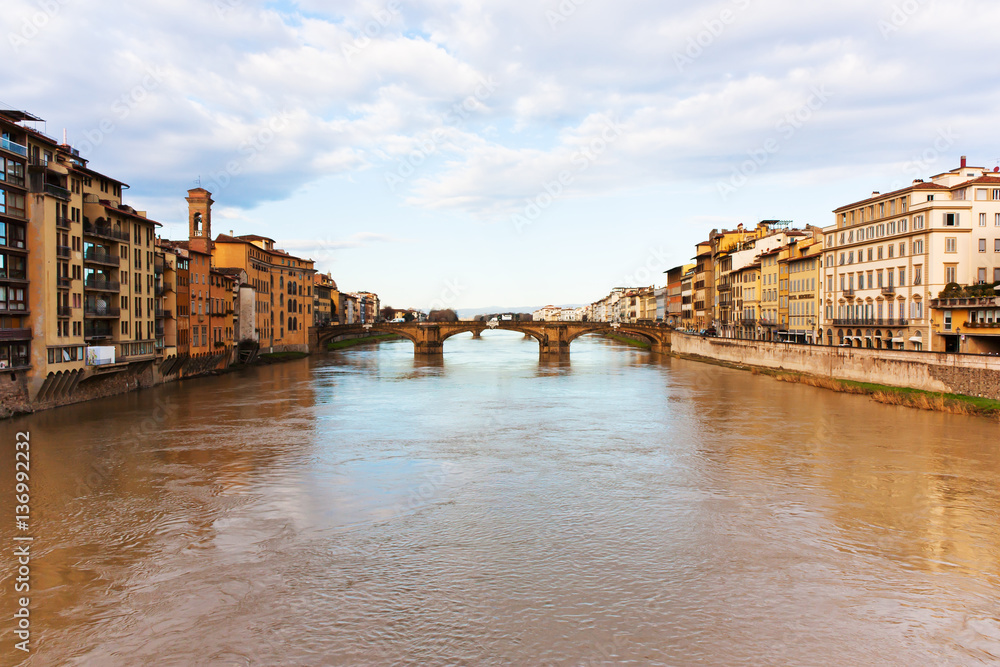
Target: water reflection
{"x":365,"y":507}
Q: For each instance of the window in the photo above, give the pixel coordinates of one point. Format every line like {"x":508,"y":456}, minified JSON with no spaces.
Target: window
{"x":996,"y":245}
{"x":918,"y":247}
{"x":951,"y":219}
{"x":981,"y":275}
{"x":947,"y":320}
{"x":950,"y":244}
{"x":949,"y":274}
{"x":980,"y":194}
{"x":982,"y":219}
{"x":918,"y":275}
{"x":930,"y":197}
{"x":982,"y":245}
{"x":918,"y":222}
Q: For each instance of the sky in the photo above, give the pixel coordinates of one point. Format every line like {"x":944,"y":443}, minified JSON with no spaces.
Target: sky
{"x":473,"y":153}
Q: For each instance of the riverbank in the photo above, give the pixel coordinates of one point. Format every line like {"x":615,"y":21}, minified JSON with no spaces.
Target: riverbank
{"x":350,"y":342}
{"x":634,"y":342}
{"x":920,"y":399}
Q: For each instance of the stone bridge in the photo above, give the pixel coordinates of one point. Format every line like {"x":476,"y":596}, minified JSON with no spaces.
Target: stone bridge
{"x":553,"y":338}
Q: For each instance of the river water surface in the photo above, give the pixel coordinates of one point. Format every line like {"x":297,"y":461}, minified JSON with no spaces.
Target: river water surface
{"x":362,"y":507}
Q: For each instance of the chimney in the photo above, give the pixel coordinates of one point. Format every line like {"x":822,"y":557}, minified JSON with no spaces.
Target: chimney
{"x":963,"y":162}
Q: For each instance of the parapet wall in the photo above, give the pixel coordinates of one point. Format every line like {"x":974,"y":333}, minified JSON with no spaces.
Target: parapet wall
{"x":969,"y":374}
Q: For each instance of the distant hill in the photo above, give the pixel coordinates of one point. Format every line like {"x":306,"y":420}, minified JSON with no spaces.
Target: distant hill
{"x":465,"y":313}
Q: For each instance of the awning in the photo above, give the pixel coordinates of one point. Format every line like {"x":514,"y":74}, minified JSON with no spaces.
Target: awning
{"x":898,"y":340}
{"x":916,"y":339}
{"x":868,"y":337}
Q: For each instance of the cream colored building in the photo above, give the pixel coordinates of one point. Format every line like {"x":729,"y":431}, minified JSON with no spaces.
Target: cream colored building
{"x":888,"y":255}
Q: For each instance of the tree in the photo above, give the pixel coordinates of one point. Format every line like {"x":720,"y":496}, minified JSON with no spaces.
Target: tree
{"x":388,"y":313}
{"x":446,"y":315}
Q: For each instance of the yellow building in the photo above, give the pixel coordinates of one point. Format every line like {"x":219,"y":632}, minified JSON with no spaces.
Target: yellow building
{"x":282,"y":282}
{"x":770,"y":322}
{"x":966,"y":320}
{"x":89,"y":308}
{"x":803,"y":265}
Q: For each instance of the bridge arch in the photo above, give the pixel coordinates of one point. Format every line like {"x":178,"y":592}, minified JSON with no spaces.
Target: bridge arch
{"x":553,"y":338}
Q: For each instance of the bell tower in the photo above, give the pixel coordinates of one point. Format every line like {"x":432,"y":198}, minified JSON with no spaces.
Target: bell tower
{"x":200,"y":219}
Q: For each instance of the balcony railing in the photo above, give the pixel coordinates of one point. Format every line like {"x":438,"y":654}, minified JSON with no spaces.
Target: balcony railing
{"x":848,"y":292}
{"x":15,"y":334}
{"x":93,"y":331}
{"x":870,"y":322}
{"x":105,"y":284}
{"x":159,"y":331}
{"x":101,"y":310}
{"x":57,"y":191}
{"x":64,"y":283}
{"x":64,"y":311}
{"x":105,"y":232}
{"x":99,"y":256}
{"x":62,"y":222}
{"x":889,"y":289}
{"x":63,"y":251}
{"x":979,"y":324}
{"x":13,"y":147}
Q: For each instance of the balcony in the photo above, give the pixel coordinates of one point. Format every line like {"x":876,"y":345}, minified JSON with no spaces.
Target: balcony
{"x":101,"y":284}
{"x":159,"y":331}
{"x":13,"y":147}
{"x":105,"y":232}
{"x":889,"y":291}
{"x":62,"y":222}
{"x":64,"y":311}
{"x":57,"y":191}
{"x":64,"y":282}
{"x":870,"y":322}
{"x":100,"y":256}
{"x":167,"y":315}
{"x":97,"y":331}
{"x":15,"y":334}
{"x":96,"y":310}
{"x":158,"y":265}
{"x":63,"y":251}
{"x":848,"y":292}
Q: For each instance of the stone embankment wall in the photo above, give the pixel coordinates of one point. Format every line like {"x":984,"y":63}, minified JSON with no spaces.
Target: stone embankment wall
{"x":969,"y":374}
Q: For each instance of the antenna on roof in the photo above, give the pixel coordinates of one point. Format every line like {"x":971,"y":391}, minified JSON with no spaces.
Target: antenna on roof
{"x":198,"y":180}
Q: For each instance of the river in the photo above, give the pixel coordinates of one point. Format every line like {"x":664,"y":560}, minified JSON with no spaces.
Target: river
{"x":363,"y":507}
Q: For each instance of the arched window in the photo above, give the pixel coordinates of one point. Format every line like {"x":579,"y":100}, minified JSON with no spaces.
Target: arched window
{"x":290,"y":328}
{"x":196,"y":223}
